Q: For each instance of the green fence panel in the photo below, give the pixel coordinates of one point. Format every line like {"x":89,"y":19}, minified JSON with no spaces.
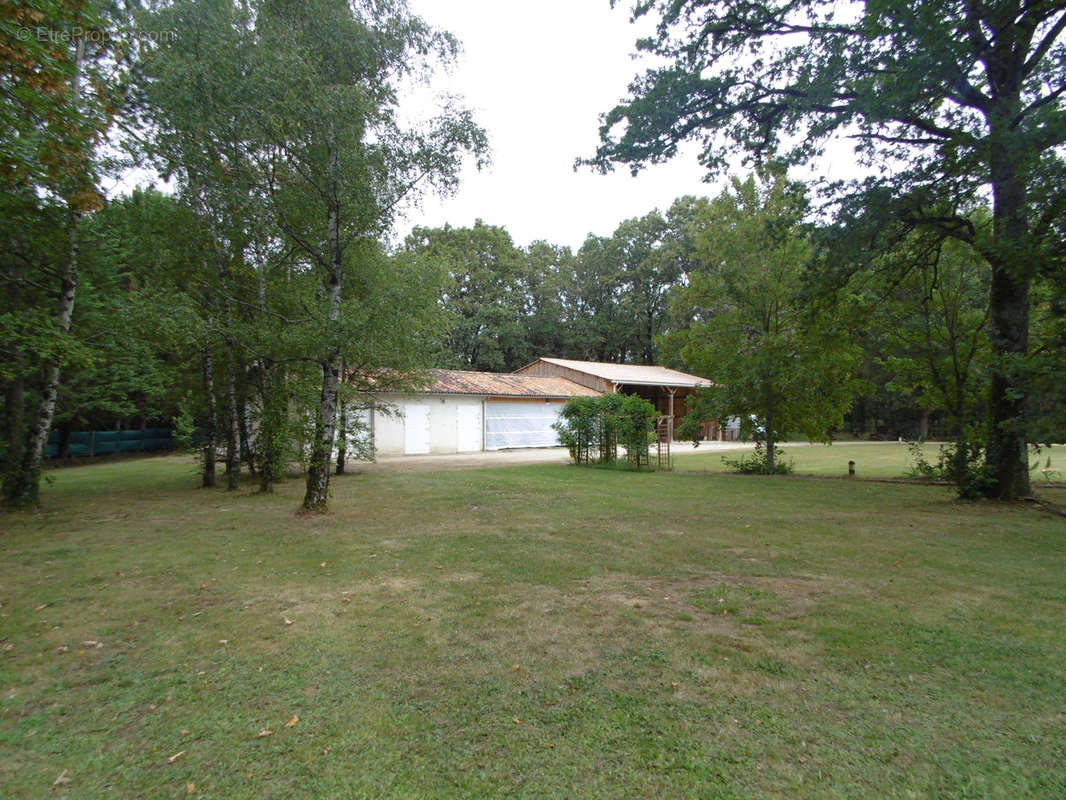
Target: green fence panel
{"x":100,"y":443}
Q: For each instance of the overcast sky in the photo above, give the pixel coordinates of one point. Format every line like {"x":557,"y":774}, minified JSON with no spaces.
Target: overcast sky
{"x":538,"y":75}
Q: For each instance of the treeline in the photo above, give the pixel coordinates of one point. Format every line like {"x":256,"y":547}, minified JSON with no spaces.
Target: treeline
{"x":506,"y":306}
{"x":804,"y":327}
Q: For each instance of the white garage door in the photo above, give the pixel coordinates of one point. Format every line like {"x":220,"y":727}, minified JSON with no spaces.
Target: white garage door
{"x":467,"y":428}
{"x":520,"y":424}
{"x":415,"y":428}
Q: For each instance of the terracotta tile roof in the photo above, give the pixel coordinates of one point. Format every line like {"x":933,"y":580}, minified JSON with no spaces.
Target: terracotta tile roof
{"x":494,"y":384}
{"x":635,"y":374}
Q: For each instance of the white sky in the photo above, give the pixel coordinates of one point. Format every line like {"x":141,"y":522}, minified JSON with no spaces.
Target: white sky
{"x":538,"y":75}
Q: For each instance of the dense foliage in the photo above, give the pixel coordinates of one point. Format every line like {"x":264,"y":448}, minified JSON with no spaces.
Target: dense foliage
{"x":592,"y":428}
{"x":948,"y":102}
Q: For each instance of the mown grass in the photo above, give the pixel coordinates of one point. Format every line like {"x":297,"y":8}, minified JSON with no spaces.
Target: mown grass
{"x":536,"y":631}
{"x":872,"y":460}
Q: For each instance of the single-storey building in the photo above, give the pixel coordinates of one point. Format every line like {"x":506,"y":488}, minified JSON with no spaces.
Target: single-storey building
{"x":462,"y":411}
{"x":669,"y":390}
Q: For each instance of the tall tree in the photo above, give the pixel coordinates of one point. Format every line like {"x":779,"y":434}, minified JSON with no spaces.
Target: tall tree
{"x":547,"y":267}
{"x":60,"y":80}
{"x":342,"y":157}
{"x":956,"y":98}
{"x":594,"y":301}
{"x":648,"y":271}
{"x":750,"y":331}
{"x":204,"y":132}
{"x":484,"y":294}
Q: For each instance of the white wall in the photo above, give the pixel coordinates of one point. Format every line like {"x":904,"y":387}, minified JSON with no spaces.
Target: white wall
{"x":389,"y":438}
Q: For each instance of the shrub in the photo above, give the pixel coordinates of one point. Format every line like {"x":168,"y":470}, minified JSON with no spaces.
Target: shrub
{"x":756,"y":463}
{"x":596,"y":425}
{"x":961,"y":462}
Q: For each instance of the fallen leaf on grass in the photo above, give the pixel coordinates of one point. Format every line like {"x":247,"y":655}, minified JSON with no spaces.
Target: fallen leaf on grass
{"x":292,"y":720}
{"x":223,"y":641}
{"x":185,"y":731}
{"x":175,"y":757}
{"x":287,"y":620}
{"x":62,"y":780}
{"x":8,"y":647}
{"x":190,"y":788}
{"x":90,"y":644}
{"x":41,"y":607}
{"x":62,"y":649}
{"x":264,"y":732}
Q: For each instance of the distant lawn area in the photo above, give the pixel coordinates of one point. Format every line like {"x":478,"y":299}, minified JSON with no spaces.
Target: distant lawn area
{"x":533,"y":632}
{"x":872,"y":460}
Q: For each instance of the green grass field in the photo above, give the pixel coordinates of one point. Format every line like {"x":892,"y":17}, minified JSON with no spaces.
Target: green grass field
{"x":872,"y":460}
{"x":540,"y":631}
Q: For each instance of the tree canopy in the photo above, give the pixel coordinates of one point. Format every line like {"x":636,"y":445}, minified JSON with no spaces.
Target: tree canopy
{"x":948,"y":103}
{"x":773,"y":364}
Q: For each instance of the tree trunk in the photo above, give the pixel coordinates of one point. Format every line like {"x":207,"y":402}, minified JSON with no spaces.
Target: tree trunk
{"x":64,"y":442}
{"x":342,"y":439}
{"x":244,"y":420}
{"x":233,"y":453}
{"x":271,"y":426}
{"x":317,"y":496}
{"x":14,"y":416}
{"x":212,"y":422}
{"x":23,"y":488}
{"x":1007,"y":452}
{"x":923,"y":423}
{"x":770,"y":442}
{"x":1008,"y":321}
{"x":22,"y":485}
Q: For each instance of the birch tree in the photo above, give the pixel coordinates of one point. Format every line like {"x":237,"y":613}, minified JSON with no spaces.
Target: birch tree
{"x":50,"y":127}
{"x":342,"y":158}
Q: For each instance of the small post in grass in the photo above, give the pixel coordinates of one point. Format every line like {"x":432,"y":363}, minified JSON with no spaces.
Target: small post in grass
{"x":851,"y":468}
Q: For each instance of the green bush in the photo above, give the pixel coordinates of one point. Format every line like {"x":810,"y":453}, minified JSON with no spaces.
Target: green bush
{"x":591,"y":428}
{"x":961,"y":462}
{"x":756,"y":463}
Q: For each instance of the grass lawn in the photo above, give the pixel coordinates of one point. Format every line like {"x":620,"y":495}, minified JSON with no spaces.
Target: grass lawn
{"x":872,"y":459}
{"x":538,"y":631}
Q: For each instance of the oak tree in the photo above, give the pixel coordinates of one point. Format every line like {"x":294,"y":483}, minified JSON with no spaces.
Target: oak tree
{"x":948,"y":101}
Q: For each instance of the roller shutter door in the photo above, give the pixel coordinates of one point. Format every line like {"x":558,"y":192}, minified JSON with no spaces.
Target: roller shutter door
{"x":520,"y":424}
